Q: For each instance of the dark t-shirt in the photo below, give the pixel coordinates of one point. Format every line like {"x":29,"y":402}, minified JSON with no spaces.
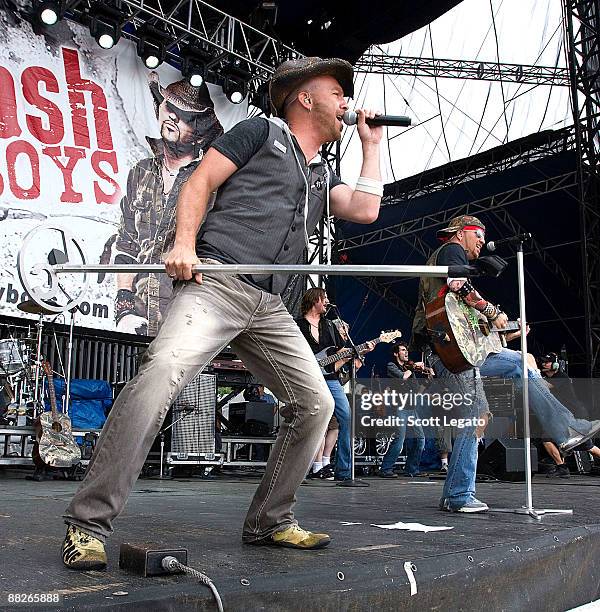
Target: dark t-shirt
{"x":452,"y":255}
{"x":328,"y":336}
{"x":244,"y":139}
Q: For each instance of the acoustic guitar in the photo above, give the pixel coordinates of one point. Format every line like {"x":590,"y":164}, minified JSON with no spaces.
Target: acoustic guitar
{"x":461,"y":335}
{"x":56,"y":446}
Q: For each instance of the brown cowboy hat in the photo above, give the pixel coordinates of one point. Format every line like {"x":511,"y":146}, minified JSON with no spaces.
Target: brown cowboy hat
{"x":181,"y":94}
{"x":288,"y":75}
{"x":457,"y":224}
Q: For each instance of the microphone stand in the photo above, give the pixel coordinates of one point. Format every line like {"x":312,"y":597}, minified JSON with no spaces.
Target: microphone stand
{"x":161,"y":433}
{"x":528,"y":509}
{"x":352,"y":481}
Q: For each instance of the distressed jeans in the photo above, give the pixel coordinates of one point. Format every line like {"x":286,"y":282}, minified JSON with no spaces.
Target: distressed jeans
{"x":557,"y":421}
{"x":199,"y":322}
{"x":459,"y":487}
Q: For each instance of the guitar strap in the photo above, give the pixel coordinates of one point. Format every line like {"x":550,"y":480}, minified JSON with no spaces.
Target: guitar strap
{"x":334,"y":332}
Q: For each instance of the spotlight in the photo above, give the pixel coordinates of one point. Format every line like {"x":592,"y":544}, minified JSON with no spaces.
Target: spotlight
{"x":193,"y":68}
{"x":152,"y":47}
{"x":105,"y":27}
{"x":236,"y":81}
{"x":234,"y":89}
{"x":48,"y":12}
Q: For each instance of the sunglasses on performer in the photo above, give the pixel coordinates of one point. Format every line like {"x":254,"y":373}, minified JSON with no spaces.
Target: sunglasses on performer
{"x":479,"y":233}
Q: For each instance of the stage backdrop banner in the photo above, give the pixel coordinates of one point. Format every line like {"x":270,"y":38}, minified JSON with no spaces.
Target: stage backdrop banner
{"x":93,"y":141}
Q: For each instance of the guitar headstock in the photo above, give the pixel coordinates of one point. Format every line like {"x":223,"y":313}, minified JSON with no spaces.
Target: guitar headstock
{"x":47,"y":368}
{"x":390,"y":336}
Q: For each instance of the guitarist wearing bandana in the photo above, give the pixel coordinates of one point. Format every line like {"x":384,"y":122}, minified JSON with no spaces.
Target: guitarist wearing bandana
{"x":462,"y":242}
{"x":321,"y":333}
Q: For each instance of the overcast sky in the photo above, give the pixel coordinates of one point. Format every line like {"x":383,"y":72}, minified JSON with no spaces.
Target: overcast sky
{"x":455,"y":118}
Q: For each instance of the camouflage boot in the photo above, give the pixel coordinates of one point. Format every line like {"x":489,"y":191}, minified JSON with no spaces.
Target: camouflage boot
{"x":81,"y":551}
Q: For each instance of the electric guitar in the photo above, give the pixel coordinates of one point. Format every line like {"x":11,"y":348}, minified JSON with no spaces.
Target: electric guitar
{"x":461,"y":335}
{"x":331,"y":359}
{"x":56,"y":446}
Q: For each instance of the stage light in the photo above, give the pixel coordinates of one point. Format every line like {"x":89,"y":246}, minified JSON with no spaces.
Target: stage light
{"x":48,"y":12}
{"x":193,"y":68}
{"x":151,"y":47}
{"x":234,"y":89}
{"x":105,"y":25}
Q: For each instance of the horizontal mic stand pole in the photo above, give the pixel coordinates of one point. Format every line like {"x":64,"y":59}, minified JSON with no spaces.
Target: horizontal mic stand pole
{"x":528,"y":509}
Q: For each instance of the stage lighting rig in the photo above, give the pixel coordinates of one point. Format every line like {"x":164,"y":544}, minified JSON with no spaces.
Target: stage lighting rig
{"x":237,"y":76}
{"x":235,"y":89}
{"x":193,"y":67}
{"x":48,"y":12}
{"x":105,"y":26}
{"x":152,"y":46}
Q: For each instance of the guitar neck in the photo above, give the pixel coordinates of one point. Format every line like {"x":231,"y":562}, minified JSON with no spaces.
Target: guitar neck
{"x":511,"y":326}
{"x":51,"y":392}
{"x":346,"y":353}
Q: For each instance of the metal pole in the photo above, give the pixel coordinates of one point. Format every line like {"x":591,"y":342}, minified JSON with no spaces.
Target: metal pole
{"x":528,"y":508}
{"x":525,"y":369}
{"x":233,"y":269}
{"x":69,"y":355}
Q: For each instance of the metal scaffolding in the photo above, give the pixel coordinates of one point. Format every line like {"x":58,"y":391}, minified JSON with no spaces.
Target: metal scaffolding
{"x":462,"y":69}
{"x":484,"y":205}
{"x":583,"y":44}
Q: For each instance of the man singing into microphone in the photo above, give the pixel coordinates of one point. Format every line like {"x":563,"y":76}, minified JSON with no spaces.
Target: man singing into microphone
{"x":462,"y":242}
{"x":272,"y":187}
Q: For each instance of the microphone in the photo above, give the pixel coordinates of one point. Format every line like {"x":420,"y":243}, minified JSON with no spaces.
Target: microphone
{"x":351,"y":118}
{"x":494,"y":244}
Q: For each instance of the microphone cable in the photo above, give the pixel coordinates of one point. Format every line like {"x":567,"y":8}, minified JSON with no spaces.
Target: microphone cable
{"x":171,"y":565}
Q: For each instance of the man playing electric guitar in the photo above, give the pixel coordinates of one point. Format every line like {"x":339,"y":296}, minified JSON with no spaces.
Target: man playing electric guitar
{"x":462,"y":241}
{"x":321,"y":334}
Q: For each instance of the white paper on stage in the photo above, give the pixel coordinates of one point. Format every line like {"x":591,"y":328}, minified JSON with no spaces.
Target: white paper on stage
{"x":413,"y":527}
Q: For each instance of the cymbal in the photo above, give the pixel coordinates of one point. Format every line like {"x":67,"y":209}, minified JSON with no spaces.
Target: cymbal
{"x":34,"y":308}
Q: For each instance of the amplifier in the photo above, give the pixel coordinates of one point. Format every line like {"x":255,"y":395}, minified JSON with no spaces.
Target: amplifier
{"x":252,"y":418}
{"x":193,"y":420}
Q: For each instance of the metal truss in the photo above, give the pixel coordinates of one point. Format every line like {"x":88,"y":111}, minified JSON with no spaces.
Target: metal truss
{"x":385,"y":292}
{"x":198,"y":23}
{"x":521,"y":151}
{"x":533,"y":247}
{"x":484,"y":205}
{"x":583,"y":44}
{"x":462,"y":69}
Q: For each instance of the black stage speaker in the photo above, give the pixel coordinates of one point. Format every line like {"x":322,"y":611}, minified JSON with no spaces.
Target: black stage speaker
{"x":505,"y":459}
{"x":252,"y":418}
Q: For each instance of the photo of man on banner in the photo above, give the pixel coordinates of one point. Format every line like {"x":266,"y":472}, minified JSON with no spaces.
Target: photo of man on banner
{"x":188,"y":125}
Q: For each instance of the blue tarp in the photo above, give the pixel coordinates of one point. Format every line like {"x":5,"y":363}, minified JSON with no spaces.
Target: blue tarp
{"x":89,"y":404}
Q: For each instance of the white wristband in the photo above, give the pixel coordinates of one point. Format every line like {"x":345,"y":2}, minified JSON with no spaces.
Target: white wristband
{"x":369,"y":185}
{"x":378,"y":191}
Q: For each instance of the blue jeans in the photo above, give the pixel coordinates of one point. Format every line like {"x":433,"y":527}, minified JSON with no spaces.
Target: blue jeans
{"x":555,"y":419}
{"x":413,"y":455}
{"x":459,"y":487}
{"x":344,"y":442}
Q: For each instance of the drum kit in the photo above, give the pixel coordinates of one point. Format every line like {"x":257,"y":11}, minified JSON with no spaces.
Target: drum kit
{"x":21,"y":371}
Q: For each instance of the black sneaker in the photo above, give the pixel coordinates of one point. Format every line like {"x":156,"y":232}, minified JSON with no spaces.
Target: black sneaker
{"x":326,"y":473}
{"x":386,"y":474}
{"x":562,"y":471}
